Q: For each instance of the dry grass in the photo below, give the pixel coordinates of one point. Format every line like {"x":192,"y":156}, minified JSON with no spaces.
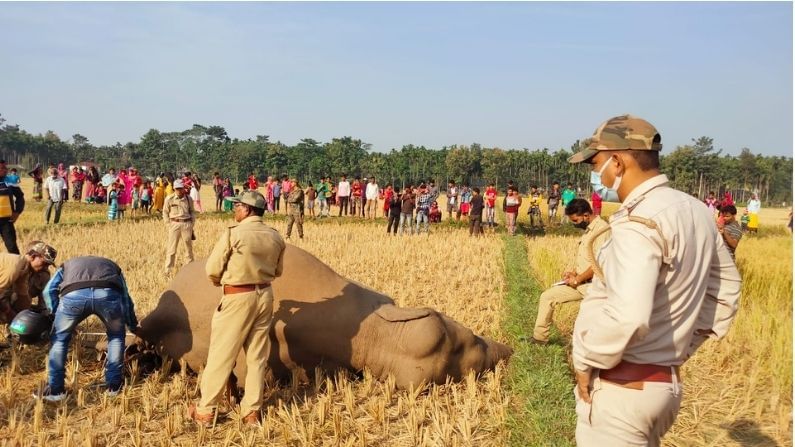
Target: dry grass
{"x":447,"y":271}
{"x":737,"y":390}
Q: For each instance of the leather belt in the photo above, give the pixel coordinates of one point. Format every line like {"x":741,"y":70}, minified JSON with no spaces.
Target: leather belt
{"x":626,"y":372}
{"x":243,"y":288}
{"x":180,"y":220}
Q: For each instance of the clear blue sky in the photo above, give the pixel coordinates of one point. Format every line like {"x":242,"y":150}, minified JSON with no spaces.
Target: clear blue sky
{"x":509,"y":75}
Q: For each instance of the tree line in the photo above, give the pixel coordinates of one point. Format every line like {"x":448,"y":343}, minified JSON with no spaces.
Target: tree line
{"x":697,"y":168}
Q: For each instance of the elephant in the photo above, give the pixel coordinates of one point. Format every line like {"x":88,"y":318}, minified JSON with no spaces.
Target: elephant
{"x":323,"y":320}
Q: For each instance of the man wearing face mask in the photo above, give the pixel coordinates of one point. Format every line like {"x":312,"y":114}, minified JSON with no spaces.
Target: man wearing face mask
{"x":663,"y":283}
{"x":577,"y":277}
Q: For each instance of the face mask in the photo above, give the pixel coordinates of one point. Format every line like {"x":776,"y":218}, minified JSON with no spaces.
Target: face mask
{"x":583,"y":224}
{"x":607,"y":194}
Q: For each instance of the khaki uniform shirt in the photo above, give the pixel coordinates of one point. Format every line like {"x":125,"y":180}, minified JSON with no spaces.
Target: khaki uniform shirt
{"x":296,"y":199}
{"x":654,"y":308}
{"x":176,"y":208}
{"x":249,"y":252}
{"x":15,"y":273}
{"x":581,"y":263}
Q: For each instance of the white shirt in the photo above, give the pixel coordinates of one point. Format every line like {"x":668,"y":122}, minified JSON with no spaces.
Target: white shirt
{"x":343,"y":189}
{"x":754,"y":205}
{"x":650,"y":306}
{"x":54,"y":186}
{"x":371,"y":192}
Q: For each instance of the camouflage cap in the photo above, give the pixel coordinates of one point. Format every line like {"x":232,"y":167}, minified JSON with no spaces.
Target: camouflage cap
{"x":250,"y":198}
{"x":620,"y":133}
{"x":42,"y":249}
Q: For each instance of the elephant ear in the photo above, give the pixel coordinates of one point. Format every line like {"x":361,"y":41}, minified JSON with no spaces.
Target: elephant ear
{"x":390,"y":312}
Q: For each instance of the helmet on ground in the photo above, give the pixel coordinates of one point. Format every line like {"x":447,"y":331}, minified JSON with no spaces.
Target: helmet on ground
{"x":30,"y":327}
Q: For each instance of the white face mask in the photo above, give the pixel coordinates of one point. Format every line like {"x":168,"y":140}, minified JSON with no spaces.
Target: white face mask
{"x":607,"y":194}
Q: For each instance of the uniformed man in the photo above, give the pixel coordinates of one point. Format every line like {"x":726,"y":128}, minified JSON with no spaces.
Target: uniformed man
{"x":295,"y":209}
{"x":179,"y":216}
{"x":664,"y":283}
{"x":22,"y":277}
{"x":244,"y":261}
{"x":576,"y":278}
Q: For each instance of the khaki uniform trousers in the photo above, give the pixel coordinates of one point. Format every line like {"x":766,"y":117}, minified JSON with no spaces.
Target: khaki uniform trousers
{"x":619,"y":416}
{"x":549,"y":299}
{"x":294,"y":216}
{"x":177,"y":231}
{"x":241,"y":321}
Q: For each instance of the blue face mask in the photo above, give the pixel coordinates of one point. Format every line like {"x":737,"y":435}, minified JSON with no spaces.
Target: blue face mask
{"x":607,"y":194}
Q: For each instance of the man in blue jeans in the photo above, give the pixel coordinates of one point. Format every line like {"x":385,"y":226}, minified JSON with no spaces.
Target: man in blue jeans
{"x":84,"y":286}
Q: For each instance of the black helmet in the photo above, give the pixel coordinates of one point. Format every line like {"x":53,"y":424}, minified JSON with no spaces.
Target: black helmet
{"x":30,"y":327}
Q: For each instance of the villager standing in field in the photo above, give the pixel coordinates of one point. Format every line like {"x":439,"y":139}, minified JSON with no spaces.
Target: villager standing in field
{"x":406,"y":210}
{"x":576,"y":277}
{"x":343,"y":193}
{"x":754,"y":206}
{"x":423,"y":208}
{"x":38,"y":180}
{"x":567,"y":196}
{"x":452,"y":199}
{"x":323,"y":194}
{"x":81,"y":287}
{"x":218,"y":190}
{"x":310,"y":194}
{"x":286,"y":188}
{"x":394,"y":213}
{"x":12,"y":203}
{"x":246,"y":258}
{"x":553,"y":200}
{"x":179,"y":216}
{"x":730,"y":229}
{"x":511,"y":205}
{"x":664,"y":283}
{"x":371,"y":195}
{"x":476,"y":213}
{"x":295,"y":209}
{"x":160,"y":192}
{"x":78,"y":178}
{"x":52,"y":192}
{"x":92,"y":180}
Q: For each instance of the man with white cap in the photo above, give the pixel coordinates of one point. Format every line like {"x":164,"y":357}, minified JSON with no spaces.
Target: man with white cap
{"x":179,"y":216}
{"x":663,"y":283}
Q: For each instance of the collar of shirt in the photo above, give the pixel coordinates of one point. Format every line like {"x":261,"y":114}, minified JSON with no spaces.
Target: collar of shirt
{"x":643,"y":188}
{"x":593,"y":224}
{"x":250,"y":219}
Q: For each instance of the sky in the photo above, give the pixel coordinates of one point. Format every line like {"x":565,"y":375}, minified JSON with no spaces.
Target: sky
{"x":508,"y":75}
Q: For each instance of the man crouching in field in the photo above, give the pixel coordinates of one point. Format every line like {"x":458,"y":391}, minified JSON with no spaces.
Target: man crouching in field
{"x":664,"y":282}
{"x":244,"y":261}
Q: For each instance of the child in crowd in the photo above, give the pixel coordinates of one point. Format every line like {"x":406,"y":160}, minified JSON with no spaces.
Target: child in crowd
{"x":146,"y":197}
{"x":113,"y":201}
{"x":491,"y":199}
{"x":100,"y":194}
{"x":120,"y":194}
{"x":744,"y":221}
{"x":311,"y":195}
{"x":435,"y":216}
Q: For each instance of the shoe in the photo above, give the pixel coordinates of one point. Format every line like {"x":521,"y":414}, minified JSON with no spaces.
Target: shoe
{"x":533,"y":340}
{"x":113,"y":391}
{"x":48,"y":395}
{"x":253,"y":418}
{"x":205,"y":420}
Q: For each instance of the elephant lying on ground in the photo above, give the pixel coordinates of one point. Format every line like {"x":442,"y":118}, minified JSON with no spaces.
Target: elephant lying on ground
{"x":324,"y":320}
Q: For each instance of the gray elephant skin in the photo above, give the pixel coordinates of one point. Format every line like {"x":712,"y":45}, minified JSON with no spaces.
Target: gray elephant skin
{"x":324,"y":320}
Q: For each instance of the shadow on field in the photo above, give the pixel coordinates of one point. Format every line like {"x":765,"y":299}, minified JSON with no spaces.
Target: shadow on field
{"x":747,"y":433}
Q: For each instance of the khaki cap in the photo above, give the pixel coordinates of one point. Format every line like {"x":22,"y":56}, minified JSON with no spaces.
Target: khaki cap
{"x":250,"y":198}
{"x":620,"y":133}
{"x":42,"y":249}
